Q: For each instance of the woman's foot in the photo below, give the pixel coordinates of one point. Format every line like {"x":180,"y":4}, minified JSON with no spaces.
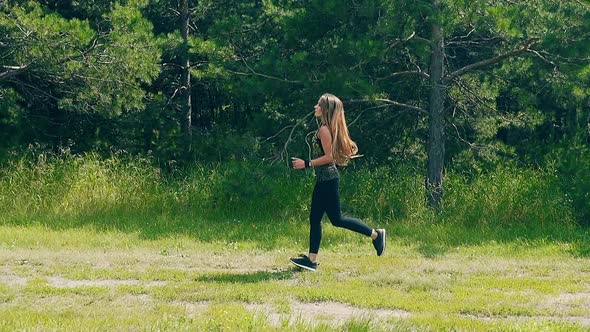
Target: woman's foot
{"x":304,"y":262}
{"x":379,"y":242}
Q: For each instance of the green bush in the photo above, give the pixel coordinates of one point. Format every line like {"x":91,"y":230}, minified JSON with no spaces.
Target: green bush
{"x":507,"y":197}
{"x":383,"y":193}
{"x":245,"y":189}
{"x":571,"y":162}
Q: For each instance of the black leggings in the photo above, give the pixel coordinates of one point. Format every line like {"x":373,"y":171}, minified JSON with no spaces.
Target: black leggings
{"x":326,"y":198}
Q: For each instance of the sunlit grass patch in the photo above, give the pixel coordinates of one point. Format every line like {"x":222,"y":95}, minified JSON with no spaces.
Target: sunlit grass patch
{"x":7,"y":293}
{"x":231,"y":317}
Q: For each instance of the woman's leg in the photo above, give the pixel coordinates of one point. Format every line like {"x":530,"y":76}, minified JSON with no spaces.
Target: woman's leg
{"x":315,"y":220}
{"x":332,"y":206}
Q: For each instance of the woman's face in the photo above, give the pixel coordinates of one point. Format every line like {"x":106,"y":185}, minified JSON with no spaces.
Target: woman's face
{"x":317,"y":111}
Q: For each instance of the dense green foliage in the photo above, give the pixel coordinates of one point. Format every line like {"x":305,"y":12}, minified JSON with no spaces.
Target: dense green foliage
{"x":99,"y":76}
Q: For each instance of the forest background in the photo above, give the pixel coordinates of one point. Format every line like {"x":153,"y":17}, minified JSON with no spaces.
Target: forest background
{"x":472,"y":92}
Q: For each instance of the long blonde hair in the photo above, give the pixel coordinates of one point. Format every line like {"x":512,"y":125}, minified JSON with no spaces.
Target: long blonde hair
{"x":343,"y":147}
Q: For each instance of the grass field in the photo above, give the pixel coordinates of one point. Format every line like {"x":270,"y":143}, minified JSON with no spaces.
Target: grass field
{"x":94,"y":245}
{"x":84,"y":279}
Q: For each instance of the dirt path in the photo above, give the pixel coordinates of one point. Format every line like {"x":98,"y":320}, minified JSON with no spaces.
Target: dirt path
{"x":20,"y":266}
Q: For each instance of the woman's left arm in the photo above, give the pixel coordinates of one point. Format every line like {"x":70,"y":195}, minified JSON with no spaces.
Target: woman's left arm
{"x":326,"y":139}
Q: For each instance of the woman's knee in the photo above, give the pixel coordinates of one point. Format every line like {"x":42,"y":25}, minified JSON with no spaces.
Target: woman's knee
{"x":337,"y":221}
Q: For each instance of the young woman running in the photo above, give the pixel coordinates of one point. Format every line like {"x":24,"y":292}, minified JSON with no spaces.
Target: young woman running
{"x":332,"y":146}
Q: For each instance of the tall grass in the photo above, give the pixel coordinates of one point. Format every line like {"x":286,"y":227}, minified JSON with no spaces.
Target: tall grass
{"x":128,"y":193}
{"x":253,"y":201}
{"x":508,"y":197}
{"x":506,"y":204}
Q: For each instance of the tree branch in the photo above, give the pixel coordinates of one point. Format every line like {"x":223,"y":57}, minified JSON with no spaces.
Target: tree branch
{"x":398,"y":104}
{"x":401,"y":40}
{"x":284,"y":151}
{"x":32,"y":87}
{"x":387,"y":101}
{"x":542,"y":58}
{"x":565,"y":59}
{"x":363,"y":111}
{"x":253,"y":72}
{"x":263,"y":75}
{"x":407,"y":72}
{"x":481,"y":41}
{"x":12,"y":70}
{"x":480,"y":64}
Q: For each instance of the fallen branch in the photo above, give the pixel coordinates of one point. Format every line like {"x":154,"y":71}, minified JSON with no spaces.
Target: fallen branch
{"x":284,"y":152}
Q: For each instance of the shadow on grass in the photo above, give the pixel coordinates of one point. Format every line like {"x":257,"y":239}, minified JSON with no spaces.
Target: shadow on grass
{"x":266,"y":232}
{"x":432,"y":250}
{"x":436,"y":240}
{"x":269,"y":232}
{"x":581,"y":249}
{"x":248,"y":278}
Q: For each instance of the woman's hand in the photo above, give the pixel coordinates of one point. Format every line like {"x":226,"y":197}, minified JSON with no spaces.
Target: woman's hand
{"x":297,"y":163}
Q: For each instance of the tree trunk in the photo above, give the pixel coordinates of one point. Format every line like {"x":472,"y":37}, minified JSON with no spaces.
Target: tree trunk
{"x":186,"y":81}
{"x":436,"y":132}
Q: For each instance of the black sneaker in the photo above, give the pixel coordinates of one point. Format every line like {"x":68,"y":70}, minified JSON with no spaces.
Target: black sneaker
{"x":379,"y":242}
{"x":304,"y":262}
